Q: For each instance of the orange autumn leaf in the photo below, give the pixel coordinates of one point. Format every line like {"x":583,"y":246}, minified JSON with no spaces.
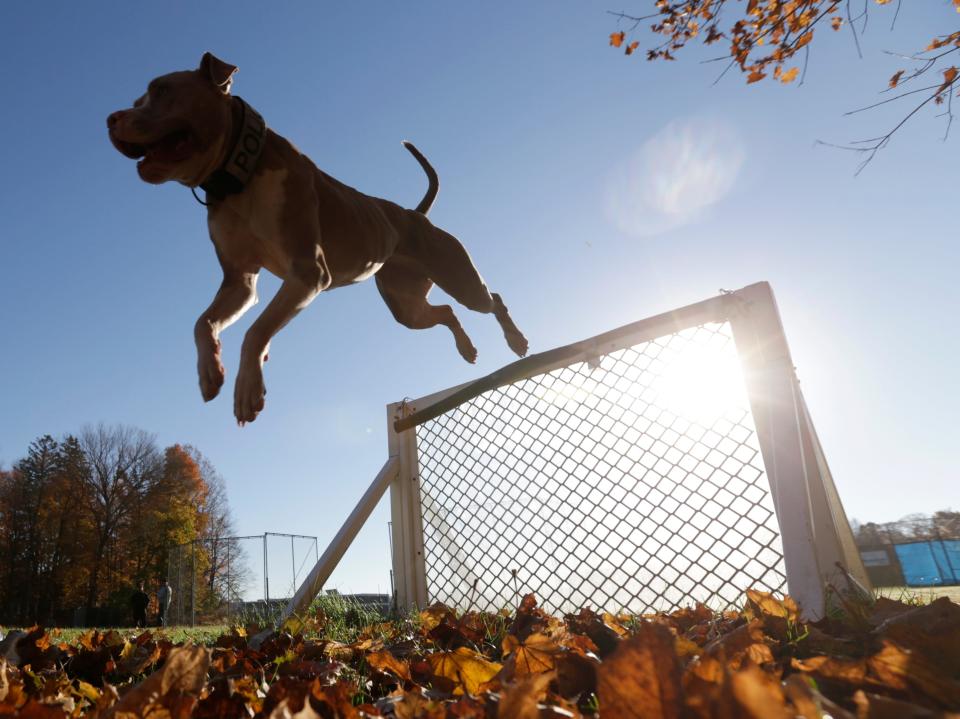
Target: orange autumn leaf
{"x":888,"y":660}
{"x":642,"y":677}
{"x":763,"y":37}
{"x":896,"y":78}
{"x":385,"y":662}
{"x":433,"y":615}
{"x":175,"y":687}
{"x":764,"y":603}
{"x":534,"y":655}
{"x":834,"y":669}
{"x":702,"y":682}
{"x":614,"y":623}
{"x":467,"y":669}
{"x":712,"y":689}
{"x":686,"y":648}
{"x":745,"y":644}
{"x":790,"y":75}
{"x":757,"y":694}
{"x":521,"y":699}
{"x":896,"y":667}
{"x":949,"y":75}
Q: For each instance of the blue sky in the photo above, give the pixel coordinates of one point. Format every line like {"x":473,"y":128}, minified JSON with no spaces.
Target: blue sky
{"x":537,"y":129}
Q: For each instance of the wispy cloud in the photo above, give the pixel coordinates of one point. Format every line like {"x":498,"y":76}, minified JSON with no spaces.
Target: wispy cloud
{"x":678,"y":173}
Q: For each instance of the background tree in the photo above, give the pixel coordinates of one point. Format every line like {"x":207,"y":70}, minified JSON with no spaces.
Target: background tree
{"x":29,"y":486}
{"x":83,"y":520}
{"x":168,"y":513}
{"x":946,"y":524}
{"x":772,"y":39}
{"x":63,"y":529}
{"x":227,"y":568}
{"x":41,"y":529}
{"x":870,"y":534}
{"x":123,"y":463}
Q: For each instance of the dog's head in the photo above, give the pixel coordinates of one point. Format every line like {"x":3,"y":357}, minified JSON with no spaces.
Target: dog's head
{"x":180,"y":127}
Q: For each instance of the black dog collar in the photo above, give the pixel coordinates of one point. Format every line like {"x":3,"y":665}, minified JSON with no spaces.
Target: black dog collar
{"x":234,"y":174}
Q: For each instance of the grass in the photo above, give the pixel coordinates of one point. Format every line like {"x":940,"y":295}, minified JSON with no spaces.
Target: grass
{"x":341,"y":619}
{"x":177,"y":635}
{"x":330,"y":616}
{"x":919,"y":595}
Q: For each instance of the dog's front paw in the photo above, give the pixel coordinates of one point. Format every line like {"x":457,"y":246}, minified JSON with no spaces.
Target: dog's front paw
{"x":210,"y":372}
{"x":248,"y":393}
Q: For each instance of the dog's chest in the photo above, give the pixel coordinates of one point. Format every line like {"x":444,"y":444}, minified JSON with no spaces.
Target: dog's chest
{"x":262,"y":204}
{"x":248,"y":226}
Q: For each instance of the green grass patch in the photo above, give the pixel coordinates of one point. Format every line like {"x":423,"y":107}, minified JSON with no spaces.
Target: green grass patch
{"x":919,"y":595}
{"x":339,"y":618}
{"x":177,"y":635}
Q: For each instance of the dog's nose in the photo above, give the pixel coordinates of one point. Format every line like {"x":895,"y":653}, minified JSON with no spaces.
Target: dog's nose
{"x":114,"y":117}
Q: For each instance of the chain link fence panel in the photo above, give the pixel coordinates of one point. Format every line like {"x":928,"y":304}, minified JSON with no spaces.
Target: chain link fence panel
{"x":632,"y":482}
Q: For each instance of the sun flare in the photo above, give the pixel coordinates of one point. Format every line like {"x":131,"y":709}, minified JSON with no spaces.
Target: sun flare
{"x":697,"y":379}
{"x":703,"y":383}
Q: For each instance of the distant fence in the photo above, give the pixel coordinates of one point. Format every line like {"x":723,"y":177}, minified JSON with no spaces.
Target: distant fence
{"x":927,"y":564}
{"x":220,"y":578}
{"x":922,"y":552}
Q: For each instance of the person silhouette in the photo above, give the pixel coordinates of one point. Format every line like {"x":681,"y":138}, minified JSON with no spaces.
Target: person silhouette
{"x":139,"y":601}
{"x":164,"y":597}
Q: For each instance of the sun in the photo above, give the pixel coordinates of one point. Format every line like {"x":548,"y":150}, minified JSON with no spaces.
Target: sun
{"x":702,"y":382}
{"x":694,"y":375}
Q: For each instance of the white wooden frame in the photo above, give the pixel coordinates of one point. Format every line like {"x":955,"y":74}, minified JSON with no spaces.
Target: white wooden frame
{"x":819,"y":550}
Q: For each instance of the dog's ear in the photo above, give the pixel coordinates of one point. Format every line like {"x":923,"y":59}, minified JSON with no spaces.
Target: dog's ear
{"x":219,"y":72}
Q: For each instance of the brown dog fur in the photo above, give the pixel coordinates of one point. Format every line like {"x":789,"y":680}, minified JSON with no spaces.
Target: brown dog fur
{"x":294,"y":220}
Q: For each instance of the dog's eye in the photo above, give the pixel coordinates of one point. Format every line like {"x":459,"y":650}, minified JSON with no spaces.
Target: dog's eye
{"x":159,"y":90}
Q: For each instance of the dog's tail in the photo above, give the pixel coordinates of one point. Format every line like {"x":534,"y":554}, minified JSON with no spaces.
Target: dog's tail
{"x":427,"y":202}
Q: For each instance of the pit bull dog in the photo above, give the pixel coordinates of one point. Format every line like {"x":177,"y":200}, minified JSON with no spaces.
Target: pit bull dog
{"x":269,"y":206}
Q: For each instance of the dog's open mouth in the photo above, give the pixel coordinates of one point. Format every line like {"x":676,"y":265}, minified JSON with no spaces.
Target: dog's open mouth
{"x":172,"y":147}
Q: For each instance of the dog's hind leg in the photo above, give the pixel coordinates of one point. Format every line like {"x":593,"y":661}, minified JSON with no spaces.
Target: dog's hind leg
{"x":404,"y":288}
{"x":447,"y":263}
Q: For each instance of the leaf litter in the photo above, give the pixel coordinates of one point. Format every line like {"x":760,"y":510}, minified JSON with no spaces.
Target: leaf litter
{"x":880,"y":659}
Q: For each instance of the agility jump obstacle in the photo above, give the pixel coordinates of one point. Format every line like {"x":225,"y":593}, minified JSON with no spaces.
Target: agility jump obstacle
{"x":670,"y":461}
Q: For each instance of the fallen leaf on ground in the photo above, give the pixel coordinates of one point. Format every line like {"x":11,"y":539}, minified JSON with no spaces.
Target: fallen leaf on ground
{"x":467,"y":669}
{"x":909,"y":671}
{"x":520,"y":699}
{"x":385,"y":662}
{"x":174,"y":687}
{"x":642,"y":677}
{"x":758,"y":694}
{"x":534,"y":655}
